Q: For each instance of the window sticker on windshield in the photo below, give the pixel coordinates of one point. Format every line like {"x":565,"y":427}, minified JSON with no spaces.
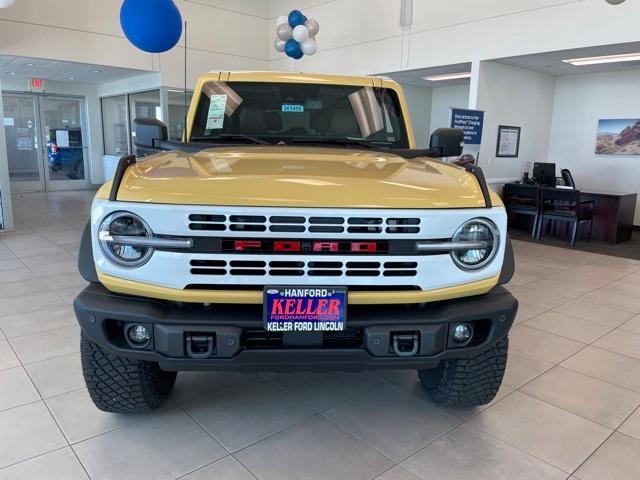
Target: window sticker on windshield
{"x":287,"y":107}
{"x":215,"y":117}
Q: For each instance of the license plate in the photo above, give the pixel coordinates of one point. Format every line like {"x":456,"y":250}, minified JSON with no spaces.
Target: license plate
{"x":305,"y":309}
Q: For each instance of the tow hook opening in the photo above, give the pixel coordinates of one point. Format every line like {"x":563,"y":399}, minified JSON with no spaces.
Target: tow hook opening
{"x":405,"y":344}
{"x":199,"y":345}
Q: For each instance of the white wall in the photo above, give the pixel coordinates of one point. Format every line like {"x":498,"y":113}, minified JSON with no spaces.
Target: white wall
{"x":580,"y":101}
{"x":7,"y":211}
{"x":443,"y":99}
{"x":222,"y":34}
{"x":514,"y":97}
{"x":365,"y":36}
{"x":419,"y":100}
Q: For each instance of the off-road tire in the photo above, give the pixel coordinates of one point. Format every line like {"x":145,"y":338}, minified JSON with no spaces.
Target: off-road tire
{"x":467,"y":382}
{"x":122,"y":385}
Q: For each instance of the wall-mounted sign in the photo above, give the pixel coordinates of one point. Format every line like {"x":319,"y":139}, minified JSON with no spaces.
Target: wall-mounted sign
{"x":36,"y":85}
{"x":471,"y":122}
{"x":508,"y":144}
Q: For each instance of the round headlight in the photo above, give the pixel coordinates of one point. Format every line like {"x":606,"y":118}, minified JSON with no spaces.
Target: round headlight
{"x":479,"y":231}
{"x":113,"y":235}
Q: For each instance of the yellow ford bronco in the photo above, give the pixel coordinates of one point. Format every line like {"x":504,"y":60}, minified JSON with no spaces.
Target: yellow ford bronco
{"x":296,"y":227}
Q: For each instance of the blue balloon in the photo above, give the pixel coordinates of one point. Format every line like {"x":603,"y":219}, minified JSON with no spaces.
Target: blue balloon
{"x":154,"y":26}
{"x":296,"y":18}
{"x":293,"y":50}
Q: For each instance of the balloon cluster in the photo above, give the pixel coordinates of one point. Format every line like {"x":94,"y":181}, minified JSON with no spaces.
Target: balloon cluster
{"x":296,"y":35}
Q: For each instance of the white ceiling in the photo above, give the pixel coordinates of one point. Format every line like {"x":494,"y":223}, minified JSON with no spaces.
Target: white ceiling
{"x":551,"y":62}
{"x":25,"y":67}
{"x":414,"y":77}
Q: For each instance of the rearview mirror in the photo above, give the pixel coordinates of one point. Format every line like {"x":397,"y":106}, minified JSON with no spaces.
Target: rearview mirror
{"x":447,"y":142}
{"x":149,"y":132}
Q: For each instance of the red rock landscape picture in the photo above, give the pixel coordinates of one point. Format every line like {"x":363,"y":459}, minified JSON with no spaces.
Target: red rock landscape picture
{"x":618,"y":137}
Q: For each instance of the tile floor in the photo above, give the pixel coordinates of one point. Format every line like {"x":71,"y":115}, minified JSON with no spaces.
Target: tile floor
{"x":568,"y":407}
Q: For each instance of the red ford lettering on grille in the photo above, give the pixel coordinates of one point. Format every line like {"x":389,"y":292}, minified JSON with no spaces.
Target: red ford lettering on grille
{"x":325,"y":246}
{"x":364,"y":247}
{"x":286,"y":246}
{"x":243,"y":245}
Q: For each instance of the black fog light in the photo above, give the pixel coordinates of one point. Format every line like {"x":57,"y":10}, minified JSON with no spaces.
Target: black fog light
{"x":461,"y":333}
{"x":138,"y":335}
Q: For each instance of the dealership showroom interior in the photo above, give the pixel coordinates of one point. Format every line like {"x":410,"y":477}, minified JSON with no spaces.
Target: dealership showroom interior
{"x":319,"y":239}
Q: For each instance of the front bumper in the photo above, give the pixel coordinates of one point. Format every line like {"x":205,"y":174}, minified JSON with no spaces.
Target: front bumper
{"x":239,"y":342}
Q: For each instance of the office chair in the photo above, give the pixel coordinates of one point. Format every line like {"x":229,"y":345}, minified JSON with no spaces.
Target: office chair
{"x":564,"y":206}
{"x":567,"y":178}
{"x":520,"y":199}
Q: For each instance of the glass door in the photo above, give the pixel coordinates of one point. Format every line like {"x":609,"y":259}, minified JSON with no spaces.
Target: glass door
{"x":23,"y":142}
{"x":64,"y":147}
{"x":46,"y":144}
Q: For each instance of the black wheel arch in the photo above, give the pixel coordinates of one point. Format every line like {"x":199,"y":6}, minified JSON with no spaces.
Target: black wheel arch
{"x":508,"y":264}
{"x":86,"y":265}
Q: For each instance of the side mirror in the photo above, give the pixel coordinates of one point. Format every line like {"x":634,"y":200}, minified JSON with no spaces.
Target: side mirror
{"x":447,"y":142}
{"x":149,"y":132}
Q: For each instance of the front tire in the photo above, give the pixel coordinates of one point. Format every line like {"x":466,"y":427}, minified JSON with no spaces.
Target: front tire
{"x":121,"y":385}
{"x":467,"y":382}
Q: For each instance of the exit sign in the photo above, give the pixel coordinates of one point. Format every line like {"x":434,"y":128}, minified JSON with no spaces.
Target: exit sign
{"x":37,"y":84}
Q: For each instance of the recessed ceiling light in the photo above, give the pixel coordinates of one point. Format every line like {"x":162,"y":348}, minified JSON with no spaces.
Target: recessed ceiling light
{"x":11,"y":73}
{"x":625,"y":57}
{"x":447,"y":76}
{"x":30,"y":65}
{"x":175,"y":91}
{"x":71,"y":78}
{"x":97,"y":71}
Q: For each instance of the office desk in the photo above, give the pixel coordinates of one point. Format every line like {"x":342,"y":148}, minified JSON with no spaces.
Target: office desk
{"x":613,"y":215}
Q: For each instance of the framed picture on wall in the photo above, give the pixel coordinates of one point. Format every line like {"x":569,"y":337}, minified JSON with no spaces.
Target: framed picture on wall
{"x":508,"y":141}
{"x":618,"y":137}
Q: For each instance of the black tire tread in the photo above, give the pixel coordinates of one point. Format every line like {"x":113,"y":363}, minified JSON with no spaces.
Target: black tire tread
{"x":467,"y":382}
{"x":122,"y":385}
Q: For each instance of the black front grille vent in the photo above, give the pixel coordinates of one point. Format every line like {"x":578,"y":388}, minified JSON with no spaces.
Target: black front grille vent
{"x":302,"y":224}
{"x":259,"y":268}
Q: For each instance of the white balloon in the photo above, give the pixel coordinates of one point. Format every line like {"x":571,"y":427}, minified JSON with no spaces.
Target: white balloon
{"x":300,"y":33}
{"x":284,"y":32}
{"x":309,"y":46}
{"x":282,"y":19}
{"x":279,"y":44}
{"x":6,"y":3}
{"x":313,"y":26}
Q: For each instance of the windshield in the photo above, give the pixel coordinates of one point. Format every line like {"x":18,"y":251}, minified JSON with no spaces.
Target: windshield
{"x":294,"y":113}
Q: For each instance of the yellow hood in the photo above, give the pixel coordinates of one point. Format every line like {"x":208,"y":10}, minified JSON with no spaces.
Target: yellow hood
{"x":301,"y":176}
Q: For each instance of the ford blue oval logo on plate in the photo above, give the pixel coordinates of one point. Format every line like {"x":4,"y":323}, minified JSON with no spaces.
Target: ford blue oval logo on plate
{"x":305,"y":309}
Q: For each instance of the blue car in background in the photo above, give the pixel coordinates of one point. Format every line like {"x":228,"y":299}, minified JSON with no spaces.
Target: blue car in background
{"x":68,"y":160}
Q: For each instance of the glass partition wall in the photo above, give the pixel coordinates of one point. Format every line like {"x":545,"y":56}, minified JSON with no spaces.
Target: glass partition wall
{"x":120,"y":111}
{"x":177,"y":106}
{"x":115,"y":125}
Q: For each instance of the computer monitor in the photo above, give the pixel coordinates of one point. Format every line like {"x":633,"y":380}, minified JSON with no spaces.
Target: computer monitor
{"x":544,"y":174}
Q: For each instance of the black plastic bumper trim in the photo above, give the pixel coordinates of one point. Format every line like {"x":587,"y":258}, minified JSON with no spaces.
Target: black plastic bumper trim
{"x":96,"y":305}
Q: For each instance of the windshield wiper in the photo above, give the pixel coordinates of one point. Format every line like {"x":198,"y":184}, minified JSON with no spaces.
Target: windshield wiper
{"x":338,"y":141}
{"x":230,"y":136}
